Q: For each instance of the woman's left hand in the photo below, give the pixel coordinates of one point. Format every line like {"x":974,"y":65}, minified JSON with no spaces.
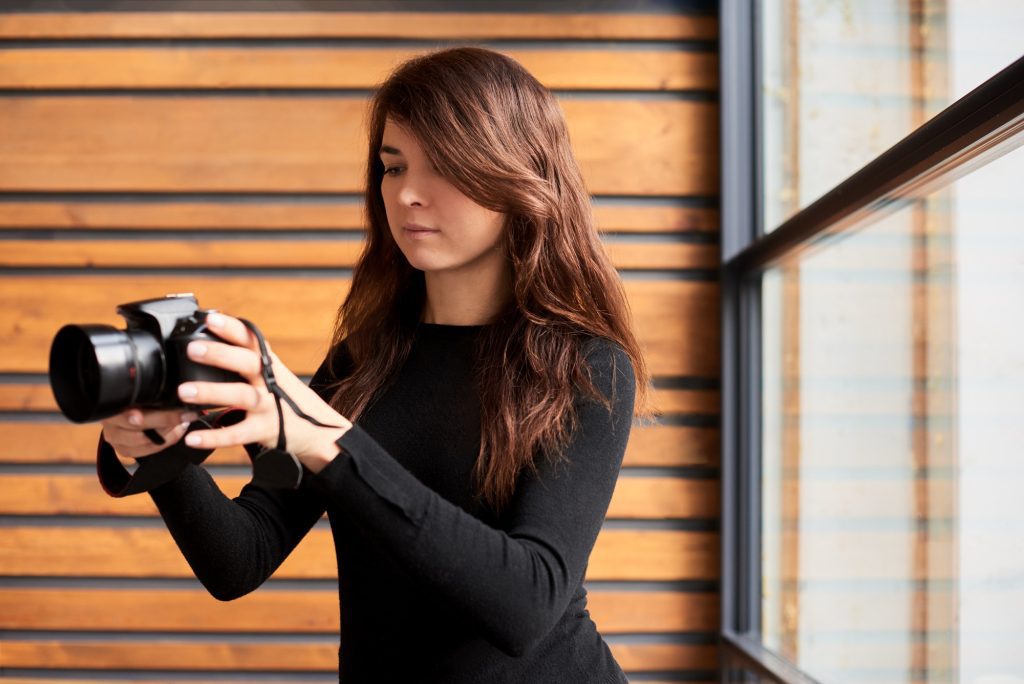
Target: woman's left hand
{"x":312,"y":445}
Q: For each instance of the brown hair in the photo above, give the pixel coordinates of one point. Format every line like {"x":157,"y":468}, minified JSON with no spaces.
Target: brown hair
{"x":494,"y":132}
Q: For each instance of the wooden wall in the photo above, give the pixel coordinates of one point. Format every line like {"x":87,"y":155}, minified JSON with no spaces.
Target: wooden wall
{"x":219,"y":153}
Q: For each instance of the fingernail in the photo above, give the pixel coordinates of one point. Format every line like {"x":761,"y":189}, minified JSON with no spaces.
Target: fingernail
{"x":214,"y":320}
{"x":197,"y":349}
{"x":193,"y":439}
{"x":186,"y":391}
{"x":184,"y":424}
{"x":135,"y":419}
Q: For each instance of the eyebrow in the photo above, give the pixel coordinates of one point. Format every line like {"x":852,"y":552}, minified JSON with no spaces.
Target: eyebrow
{"x":387,"y":149}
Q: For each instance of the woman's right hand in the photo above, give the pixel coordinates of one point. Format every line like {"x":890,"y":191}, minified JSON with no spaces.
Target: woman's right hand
{"x":124,"y":431}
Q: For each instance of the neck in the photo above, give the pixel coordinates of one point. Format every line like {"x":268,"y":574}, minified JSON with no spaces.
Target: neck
{"x":465,"y":299}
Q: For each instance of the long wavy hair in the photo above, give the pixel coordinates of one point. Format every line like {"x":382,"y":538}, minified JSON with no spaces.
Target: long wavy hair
{"x":494,"y":132}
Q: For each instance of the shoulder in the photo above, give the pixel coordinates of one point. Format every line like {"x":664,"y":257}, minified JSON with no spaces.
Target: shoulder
{"x":610,"y":368}
{"x":606,"y":357}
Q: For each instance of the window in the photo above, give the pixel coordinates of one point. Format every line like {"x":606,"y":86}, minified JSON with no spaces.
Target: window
{"x":891,"y":525}
{"x":872,"y":352}
{"x":844,"y":80}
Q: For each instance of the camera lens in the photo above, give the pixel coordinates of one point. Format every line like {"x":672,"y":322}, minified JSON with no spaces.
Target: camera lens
{"x":88,"y":368}
{"x":97,"y":371}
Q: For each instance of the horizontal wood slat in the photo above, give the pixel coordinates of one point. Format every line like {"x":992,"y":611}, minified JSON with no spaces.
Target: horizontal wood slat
{"x":312,"y":144}
{"x":39,"y":397}
{"x":30,"y":494}
{"x":260,"y":655}
{"x":286,"y":254}
{"x":50,"y":442}
{"x":150,"y":552}
{"x":163,"y":680}
{"x":299,"y":611}
{"x":254,"y":213}
{"x":668,"y":401}
{"x":66,"y":443}
{"x":293,"y":24}
{"x":87,"y":67}
{"x":259,"y":213}
{"x":181,"y":253}
{"x":191,"y":680}
{"x":677,"y":321}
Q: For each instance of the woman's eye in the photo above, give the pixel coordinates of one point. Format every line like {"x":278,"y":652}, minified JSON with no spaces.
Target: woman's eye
{"x":388,"y":171}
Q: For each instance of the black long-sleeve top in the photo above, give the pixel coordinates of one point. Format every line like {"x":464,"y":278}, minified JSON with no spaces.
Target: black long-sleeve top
{"x":434,"y":586}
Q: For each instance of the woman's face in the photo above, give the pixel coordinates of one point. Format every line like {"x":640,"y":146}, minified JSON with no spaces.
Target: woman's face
{"x":437,"y":228}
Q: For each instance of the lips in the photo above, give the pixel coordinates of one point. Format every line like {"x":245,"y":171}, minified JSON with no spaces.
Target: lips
{"x":416,"y":230}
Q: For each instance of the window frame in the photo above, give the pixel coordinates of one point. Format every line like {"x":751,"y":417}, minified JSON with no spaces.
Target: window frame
{"x":990,"y":113}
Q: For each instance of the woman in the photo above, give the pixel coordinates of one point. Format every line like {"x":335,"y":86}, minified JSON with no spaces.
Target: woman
{"x":480,"y":386}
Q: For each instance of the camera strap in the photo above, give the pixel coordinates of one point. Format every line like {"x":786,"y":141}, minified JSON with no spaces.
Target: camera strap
{"x":277,"y":467}
{"x":266,"y":371}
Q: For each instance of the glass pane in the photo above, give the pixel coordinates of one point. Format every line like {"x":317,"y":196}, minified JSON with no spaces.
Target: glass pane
{"x":844,"y":80}
{"x":893,"y":414}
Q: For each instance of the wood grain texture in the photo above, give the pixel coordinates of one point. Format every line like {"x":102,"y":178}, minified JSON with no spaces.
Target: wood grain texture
{"x":30,"y":494}
{"x":225,"y":68}
{"x":671,"y":401}
{"x":101,"y":551}
{"x":312,"y":144}
{"x":259,"y":213}
{"x":284,"y":657}
{"x":321,"y":214}
{"x":63,"y":442}
{"x":460,"y":26}
{"x":191,"y":680}
{"x":677,"y":321}
{"x":340,"y":253}
{"x":298,"y":611}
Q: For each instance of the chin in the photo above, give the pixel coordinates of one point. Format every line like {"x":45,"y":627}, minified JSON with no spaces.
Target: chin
{"x":425,"y":263}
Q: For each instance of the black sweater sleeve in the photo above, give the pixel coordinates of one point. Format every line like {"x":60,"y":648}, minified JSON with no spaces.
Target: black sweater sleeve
{"x":232,"y":545}
{"x":514,"y":584}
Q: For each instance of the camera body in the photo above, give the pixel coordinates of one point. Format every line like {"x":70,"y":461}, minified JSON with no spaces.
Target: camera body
{"x":97,"y":371}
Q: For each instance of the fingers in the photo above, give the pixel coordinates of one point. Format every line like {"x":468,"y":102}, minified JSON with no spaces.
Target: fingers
{"x":125,"y":430}
{"x":222,"y":394}
{"x":232,"y":330}
{"x":134,"y":444}
{"x":138,"y":439}
{"x":229,"y":357}
{"x":138,"y":419}
{"x":246,"y":432}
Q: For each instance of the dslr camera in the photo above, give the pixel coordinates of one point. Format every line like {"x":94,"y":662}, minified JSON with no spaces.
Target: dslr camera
{"x":97,"y":371}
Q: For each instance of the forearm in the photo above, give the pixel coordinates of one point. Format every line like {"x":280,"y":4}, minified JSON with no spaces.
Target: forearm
{"x":232,"y":545}
{"x":218,"y":538}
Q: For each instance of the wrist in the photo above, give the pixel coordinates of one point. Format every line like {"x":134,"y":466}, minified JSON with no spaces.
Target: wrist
{"x":323,"y":448}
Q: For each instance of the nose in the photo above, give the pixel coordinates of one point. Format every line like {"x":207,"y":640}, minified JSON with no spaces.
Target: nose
{"x":411,"y":193}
